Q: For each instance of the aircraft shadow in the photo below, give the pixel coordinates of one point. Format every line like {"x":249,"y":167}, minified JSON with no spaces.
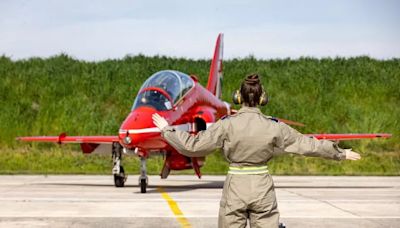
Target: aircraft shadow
{"x":184,"y":188}
{"x":206,"y":185}
{"x":151,"y":188}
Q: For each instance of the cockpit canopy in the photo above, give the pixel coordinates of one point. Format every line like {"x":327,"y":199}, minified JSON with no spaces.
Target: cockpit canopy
{"x":163,"y":89}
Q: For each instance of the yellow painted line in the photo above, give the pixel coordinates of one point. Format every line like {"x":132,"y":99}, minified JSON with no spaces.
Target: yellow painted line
{"x":174,"y":208}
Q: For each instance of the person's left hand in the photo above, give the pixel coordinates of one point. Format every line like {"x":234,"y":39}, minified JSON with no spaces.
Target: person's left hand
{"x":159,"y":121}
{"x":351,"y":155}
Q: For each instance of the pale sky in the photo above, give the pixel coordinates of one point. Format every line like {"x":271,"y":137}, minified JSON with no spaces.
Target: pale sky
{"x":97,"y":30}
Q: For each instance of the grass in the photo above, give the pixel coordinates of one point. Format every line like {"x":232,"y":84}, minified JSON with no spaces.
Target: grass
{"x":69,"y":160}
{"x":62,"y":94}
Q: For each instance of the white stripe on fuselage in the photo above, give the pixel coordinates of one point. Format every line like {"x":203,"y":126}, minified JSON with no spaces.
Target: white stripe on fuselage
{"x":181,"y":127}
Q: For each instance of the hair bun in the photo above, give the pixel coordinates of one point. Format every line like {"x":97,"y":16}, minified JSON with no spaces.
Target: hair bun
{"x":252,"y":79}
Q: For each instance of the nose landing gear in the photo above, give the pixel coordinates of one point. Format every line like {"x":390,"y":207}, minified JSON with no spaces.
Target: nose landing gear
{"x":143,"y":179}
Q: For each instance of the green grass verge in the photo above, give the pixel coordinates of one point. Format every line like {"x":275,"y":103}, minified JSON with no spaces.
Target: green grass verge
{"x":66,"y":160}
{"x":61,"y":94}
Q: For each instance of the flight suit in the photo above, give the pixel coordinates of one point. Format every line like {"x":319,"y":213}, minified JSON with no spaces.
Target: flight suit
{"x":248,"y":140}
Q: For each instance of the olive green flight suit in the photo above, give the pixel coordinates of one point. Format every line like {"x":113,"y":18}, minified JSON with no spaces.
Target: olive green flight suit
{"x":248,"y":139}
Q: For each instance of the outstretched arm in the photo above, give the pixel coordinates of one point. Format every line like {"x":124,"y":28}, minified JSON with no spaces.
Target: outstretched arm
{"x":198,"y":145}
{"x":294,"y":142}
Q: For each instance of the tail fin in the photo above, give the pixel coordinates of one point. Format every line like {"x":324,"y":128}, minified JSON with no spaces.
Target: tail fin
{"x":214,"y":84}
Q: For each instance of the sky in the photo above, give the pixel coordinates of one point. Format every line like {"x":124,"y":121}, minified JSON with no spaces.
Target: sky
{"x":103,"y":29}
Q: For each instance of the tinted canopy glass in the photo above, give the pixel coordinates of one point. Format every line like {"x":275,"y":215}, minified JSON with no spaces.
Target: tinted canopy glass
{"x":163,"y":89}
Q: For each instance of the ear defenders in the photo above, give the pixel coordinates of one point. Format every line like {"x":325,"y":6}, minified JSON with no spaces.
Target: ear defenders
{"x":237,"y":98}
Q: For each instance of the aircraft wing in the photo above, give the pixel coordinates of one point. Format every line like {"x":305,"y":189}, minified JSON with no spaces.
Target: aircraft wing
{"x":63,"y":138}
{"x":88,"y":143}
{"x":339,"y":137}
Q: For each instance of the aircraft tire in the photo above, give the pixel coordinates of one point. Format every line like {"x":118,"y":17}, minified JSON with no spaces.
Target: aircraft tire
{"x":119,"y":179}
{"x":143,"y":185}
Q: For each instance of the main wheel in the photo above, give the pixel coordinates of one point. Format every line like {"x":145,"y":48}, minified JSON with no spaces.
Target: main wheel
{"x":119,"y":179}
{"x":143,"y":185}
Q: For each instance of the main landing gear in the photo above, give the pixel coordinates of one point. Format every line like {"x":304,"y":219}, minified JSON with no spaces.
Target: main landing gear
{"x":118,"y":170}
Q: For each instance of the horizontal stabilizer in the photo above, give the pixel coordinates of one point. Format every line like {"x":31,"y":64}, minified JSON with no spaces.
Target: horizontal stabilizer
{"x":349,"y":136}
{"x":290,"y":122}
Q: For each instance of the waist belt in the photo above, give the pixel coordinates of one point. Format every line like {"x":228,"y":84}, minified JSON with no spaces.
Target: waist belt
{"x":248,"y":170}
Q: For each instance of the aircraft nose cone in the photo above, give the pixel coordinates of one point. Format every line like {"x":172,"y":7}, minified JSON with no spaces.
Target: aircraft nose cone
{"x":136,"y":126}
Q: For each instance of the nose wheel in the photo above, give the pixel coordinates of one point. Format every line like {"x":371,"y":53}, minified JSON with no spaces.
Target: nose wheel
{"x":143,"y":179}
{"x":143,"y":185}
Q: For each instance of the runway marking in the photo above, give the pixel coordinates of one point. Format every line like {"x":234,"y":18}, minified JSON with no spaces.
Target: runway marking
{"x":174,"y":208}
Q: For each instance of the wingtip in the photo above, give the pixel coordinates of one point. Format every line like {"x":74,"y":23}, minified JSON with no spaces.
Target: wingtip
{"x":385,"y":135}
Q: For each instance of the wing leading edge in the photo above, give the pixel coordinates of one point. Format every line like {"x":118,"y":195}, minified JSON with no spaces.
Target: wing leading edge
{"x":63,"y":138}
{"x":88,"y":143}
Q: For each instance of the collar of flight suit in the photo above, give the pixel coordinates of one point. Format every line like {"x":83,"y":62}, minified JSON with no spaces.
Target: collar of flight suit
{"x":244,"y":109}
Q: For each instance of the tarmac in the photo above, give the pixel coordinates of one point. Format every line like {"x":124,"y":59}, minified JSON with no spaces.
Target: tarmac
{"x":185,"y":201}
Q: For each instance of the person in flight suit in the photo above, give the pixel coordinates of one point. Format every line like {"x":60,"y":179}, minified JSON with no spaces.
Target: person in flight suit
{"x":248,"y":140}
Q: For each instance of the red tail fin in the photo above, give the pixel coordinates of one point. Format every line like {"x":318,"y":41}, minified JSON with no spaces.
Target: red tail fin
{"x":214,"y":84}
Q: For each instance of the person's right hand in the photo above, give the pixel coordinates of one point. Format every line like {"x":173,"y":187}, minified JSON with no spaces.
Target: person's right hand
{"x":351,"y":155}
{"x":159,"y":121}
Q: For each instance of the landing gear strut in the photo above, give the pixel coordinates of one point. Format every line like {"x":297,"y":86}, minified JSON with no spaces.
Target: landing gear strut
{"x":118,"y":169}
{"x":143,"y":179}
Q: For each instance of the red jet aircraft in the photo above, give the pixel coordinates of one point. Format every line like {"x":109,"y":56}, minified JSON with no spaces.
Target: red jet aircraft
{"x":186,"y":104}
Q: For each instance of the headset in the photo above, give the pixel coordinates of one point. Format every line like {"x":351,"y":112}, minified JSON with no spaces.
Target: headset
{"x":237,"y":98}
